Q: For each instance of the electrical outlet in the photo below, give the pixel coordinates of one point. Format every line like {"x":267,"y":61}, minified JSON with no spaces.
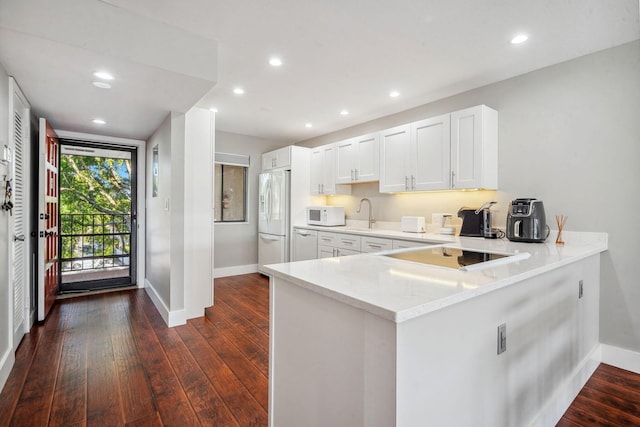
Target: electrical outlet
{"x":502,"y":338}
{"x":580,"y":289}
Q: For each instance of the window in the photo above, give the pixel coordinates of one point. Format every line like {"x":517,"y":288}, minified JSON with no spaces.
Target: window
{"x":231,"y":187}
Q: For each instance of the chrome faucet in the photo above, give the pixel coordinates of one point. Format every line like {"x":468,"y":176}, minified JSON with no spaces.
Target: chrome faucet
{"x":371,"y":220}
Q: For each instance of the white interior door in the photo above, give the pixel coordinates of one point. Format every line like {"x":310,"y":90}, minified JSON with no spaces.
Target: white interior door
{"x":18,"y":221}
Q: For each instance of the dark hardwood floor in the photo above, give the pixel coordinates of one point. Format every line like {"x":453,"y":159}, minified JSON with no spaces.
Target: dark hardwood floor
{"x":109,"y":360}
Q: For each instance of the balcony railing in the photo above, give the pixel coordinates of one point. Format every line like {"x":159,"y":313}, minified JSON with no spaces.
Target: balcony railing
{"x":94,"y":241}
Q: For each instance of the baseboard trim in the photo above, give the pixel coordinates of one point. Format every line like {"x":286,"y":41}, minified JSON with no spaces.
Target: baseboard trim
{"x":621,"y":358}
{"x":6,"y":364}
{"x":235,"y":270}
{"x":171,"y":318}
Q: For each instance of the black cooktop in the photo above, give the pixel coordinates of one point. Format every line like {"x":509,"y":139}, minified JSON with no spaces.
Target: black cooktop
{"x":447,"y":257}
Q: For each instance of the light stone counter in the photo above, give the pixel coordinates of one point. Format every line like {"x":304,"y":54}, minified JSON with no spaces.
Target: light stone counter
{"x":400,"y":290}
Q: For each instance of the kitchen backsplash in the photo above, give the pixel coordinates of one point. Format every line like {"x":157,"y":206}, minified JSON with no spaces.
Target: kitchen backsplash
{"x":391,"y":207}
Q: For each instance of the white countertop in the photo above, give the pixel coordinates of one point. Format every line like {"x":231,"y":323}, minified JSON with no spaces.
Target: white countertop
{"x":401,"y":290}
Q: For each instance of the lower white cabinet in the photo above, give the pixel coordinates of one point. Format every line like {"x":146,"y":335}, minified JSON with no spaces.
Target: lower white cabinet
{"x":337,"y":244}
{"x":375,"y":244}
{"x":402,"y":244}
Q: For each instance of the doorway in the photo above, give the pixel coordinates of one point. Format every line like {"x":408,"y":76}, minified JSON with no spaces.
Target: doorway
{"x":97,"y":220}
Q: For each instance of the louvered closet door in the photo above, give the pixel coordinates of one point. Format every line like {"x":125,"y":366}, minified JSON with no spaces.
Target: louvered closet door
{"x":20,"y":136}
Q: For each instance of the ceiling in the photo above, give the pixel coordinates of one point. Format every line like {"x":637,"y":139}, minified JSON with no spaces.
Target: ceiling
{"x":337,"y":54}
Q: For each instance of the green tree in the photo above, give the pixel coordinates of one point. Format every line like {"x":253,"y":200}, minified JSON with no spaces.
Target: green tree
{"x":95,"y":205}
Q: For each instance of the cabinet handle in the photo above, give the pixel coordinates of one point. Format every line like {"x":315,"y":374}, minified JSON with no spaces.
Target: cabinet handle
{"x":356,"y":174}
{"x":352,"y":178}
{"x":413,"y":182}
{"x":406,"y":182}
{"x":453,"y":179}
{"x":375,"y":246}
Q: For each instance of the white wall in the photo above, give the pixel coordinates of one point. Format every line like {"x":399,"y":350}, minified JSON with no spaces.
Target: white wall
{"x":179,"y":220}
{"x":569,"y":134}
{"x":6,"y":307}
{"x":236,"y":245}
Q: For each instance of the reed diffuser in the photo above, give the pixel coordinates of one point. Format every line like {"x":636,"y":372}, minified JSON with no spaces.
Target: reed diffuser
{"x":560,"y":220}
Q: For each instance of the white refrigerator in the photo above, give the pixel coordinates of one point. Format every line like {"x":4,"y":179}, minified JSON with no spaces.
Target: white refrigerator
{"x":273,"y":218}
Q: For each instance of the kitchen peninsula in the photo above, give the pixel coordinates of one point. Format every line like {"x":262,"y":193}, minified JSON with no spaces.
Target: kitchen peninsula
{"x":372,"y":340}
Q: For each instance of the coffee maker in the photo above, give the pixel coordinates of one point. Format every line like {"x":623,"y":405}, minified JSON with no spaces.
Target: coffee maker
{"x":477,"y":222}
{"x":526,"y":221}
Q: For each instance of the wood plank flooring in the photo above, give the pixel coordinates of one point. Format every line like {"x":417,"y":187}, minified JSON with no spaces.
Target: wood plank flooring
{"x":109,"y":360}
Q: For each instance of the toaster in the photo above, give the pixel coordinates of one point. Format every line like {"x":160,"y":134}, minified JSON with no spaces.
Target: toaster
{"x":413,"y":224}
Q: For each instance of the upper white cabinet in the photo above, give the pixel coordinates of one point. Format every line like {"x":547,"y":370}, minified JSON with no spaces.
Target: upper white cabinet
{"x":323,"y":171}
{"x":452,"y":151}
{"x":358,"y":159}
{"x":474,"y":148}
{"x":394,"y":155}
{"x":279,"y":158}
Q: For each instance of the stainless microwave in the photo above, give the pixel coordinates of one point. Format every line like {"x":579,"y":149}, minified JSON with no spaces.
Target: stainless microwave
{"x":328,"y":216}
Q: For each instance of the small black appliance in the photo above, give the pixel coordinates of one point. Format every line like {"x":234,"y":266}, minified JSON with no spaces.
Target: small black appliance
{"x":477,"y":222}
{"x":526,"y":221}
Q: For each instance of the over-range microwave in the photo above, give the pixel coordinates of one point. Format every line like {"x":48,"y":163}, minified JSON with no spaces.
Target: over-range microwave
{"x":325,"y":215}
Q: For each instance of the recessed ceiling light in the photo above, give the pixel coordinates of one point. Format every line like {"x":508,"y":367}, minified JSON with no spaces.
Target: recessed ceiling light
{"x":276,"y":62}
{"x":308,"y":125}
{"x":394,"y":94}
{"x":520,"y":38}
{"x":99,"y":122}
{"x":104,"y":75}
{"x":344,"y":112}
{"x":238,"y":91}
{"x":102,"y":85}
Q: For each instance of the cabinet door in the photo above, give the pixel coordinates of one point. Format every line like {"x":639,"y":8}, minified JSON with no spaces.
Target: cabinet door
{"x":329,"y":169}
{"x":430,"y":149}
{"x":267,"y":161}
{"x":346,"y":153}
{"x":474,"y":148}
{"x":316,"y":173}
{"x":367,"y":166}
{"x":282,"y":157}
{"x":326,"y":251}
{"x":394,"y":152}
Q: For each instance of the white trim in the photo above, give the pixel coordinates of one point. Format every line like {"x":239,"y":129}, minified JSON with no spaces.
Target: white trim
{"x":235,"y":270}
{"x":621,"y":358}
{"x":171,"y":318}
{"x":6,"y":364}
{"x":141,"y":171}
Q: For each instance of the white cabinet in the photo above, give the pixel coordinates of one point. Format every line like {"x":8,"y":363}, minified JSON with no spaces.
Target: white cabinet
{"x":358,"y":159}
{"x":337,"y":244}
{"x":474,"y":148}
{"x":375,"y":244}
{"x":451,"y":151}
{"x":403,"y":244}
{"x":323,"y":171}
{"x":394,"y":154}
{"x":279,"y":158}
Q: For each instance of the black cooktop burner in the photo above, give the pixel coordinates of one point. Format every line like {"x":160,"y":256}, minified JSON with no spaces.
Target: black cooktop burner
{"x":447,"y":257}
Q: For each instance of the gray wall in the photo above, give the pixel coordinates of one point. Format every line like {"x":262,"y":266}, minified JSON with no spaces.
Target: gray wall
{"x":237,"y":244}
{"x":158,"y":241}
{"x":569,"y":134}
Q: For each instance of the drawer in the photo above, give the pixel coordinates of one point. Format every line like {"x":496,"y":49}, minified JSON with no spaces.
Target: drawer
{"x":328,"y":239}
{"x":348,"y":241}
{"x":375,"y":244}
{"x":400,"y":244}
{"x":326,"y":251}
